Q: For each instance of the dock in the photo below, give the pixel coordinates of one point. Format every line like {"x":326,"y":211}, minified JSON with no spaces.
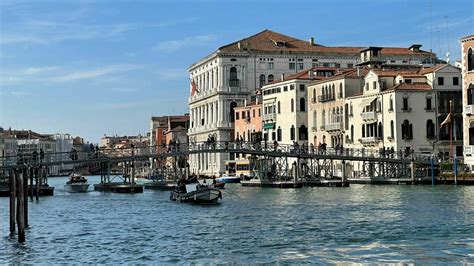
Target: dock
{"x":390,"y":181}
{"x":119,"y":187}
{"x":293,"y":184}
{"x":43,"y":191}
{"x":162,"y":185}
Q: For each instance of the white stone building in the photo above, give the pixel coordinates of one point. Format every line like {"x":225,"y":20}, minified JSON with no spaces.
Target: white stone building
{"x":230,"y":75}
{"x":467,"y":50}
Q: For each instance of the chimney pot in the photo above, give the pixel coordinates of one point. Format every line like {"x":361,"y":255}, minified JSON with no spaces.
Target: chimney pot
{"x":282,"y":77}
{"x":311,"y":40}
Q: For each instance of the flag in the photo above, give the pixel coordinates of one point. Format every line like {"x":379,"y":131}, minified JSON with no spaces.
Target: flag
{"x":194,"y":88}
{"x":446,"y":120}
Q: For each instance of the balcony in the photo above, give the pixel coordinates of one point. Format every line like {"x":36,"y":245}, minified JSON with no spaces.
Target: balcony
{"x":369,"y":140}
{"x":234,"y":83}
{"x":325,"y":98}
{"x":369,"y":116}
{"x":333,"y":127}
{"x":267,"y":117}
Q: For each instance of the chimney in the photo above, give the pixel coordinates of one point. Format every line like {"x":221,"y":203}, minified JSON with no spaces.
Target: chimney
{"x":311,"y":40}
{"x":358,"y":71}
{"x":239,"y":46}
{"x":282,"y":77}
{"x":245,"y":102}
{"x":310,"y":74}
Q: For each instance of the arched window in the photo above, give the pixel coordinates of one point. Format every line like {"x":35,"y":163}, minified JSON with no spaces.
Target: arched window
{"x":391,"y":103}
{"x":262,"y":80}
{"x":470,"y":60}
{"x":303,"y":133}
{"x":340,"y":90}
{"x":430,"y":129}
{"x":292,"y":132}
{"x":292,"y":105}
{"x":333,"y":91}
{"x":278,"y":106}
{"x":302,"y":105}
{"x":407,"y":130}
{"x":351,"y":112}
{"x":231,"y":112}
{"x":352,"y":133}
{"x":315,"y":120}
{"x":279,"y":134}
{"x":233,"y":73}
{"x":380,"y":130}
{"x":392,"y":129}
{"x":314,"y":95}
{"x":270,"y":78}
{"x":325,"y":92}
{"x":323,"y":118}
{"x":363,"y":131}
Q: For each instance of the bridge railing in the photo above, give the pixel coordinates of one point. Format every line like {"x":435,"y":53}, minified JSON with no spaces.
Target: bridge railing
{"x":196,"y":147}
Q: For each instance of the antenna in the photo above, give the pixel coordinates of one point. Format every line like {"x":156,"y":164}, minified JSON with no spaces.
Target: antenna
{"x":439,"y":41}
{"x":447,"y":37}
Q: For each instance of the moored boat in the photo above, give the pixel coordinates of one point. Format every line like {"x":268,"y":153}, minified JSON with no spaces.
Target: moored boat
{"x":196,"y":193}
{"x":76,"y":183}
{"x":226,"y":178}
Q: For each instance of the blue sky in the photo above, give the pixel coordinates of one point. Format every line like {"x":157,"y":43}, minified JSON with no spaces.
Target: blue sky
{"x":104,"y":67}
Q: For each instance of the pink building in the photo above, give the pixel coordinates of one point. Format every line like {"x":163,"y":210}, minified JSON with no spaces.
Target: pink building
{"x":248,"y":122}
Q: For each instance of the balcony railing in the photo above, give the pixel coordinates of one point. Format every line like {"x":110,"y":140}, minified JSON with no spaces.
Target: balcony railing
{"x":333,"y":127}
{"x":325,"y":98}
{"x":369,"y":116}
{"x":367,"y":140}
{"x":267,"y":117}
{"x":234,"y":83}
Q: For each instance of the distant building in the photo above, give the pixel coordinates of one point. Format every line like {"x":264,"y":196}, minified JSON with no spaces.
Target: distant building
{"x":467,"y":49}
{"x":8,"y":147}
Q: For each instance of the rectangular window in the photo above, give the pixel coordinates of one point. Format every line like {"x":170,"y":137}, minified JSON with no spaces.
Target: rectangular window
{"x":270,"y":65}
{"x":408,"y":81}
{"x":367,"y":86}
{"x":428,"y":103}
{"x":302,"y":87}
{"x":253,"y":113}
{"x":405,"y":104}
{"x":326,"y":65}
{"x":243,"y":114}
{"x":237,"y":116}
{"x":292,"y":66}
{"x":259,"y":112}
{"x":285,"y":88}
{"x":440,"y":80}
{"x":273,"y":135}
{"x":337,"y":65}
{"x":292,"y":87}
{"x":375,"y":85}
{"x":350,"y":65}
{"x":455,"y":81}
{"x":300,"y":66}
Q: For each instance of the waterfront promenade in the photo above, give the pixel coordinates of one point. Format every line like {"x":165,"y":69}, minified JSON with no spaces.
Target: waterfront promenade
{"x":358,"y":224}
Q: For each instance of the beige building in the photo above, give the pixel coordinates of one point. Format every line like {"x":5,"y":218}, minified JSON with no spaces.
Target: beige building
{"x":467,"y":49}
{"x":328,"y":113}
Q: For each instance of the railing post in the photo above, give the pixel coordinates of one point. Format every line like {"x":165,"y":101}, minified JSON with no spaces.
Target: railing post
{"x":432,"y":170}
{"x":455,"y":170}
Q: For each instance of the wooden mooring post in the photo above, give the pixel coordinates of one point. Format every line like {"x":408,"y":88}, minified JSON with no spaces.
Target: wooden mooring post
{"x":21,"y":207}
{"x":25,"y":198}
{"x":12,"y":201}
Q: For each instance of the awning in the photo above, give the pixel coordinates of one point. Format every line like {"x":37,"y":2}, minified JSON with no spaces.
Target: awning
{"x":269,"y":126}
{"x":367,"y":101}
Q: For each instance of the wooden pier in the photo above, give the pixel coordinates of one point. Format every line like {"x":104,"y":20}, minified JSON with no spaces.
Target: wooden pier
{"x":162,"y":185}
{"x":119,"y":187}
{"x":293,"y":184}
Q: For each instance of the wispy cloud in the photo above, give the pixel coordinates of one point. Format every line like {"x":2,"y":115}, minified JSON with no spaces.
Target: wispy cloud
{"x":62,"y":74}
{"x":172,"y":74}
{"x":192,"y":41}
{"x":98,"y":72}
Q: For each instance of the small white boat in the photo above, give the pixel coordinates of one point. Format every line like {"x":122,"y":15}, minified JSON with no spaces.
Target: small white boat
{"x":225,"y":178}
{"x":76,"y":183}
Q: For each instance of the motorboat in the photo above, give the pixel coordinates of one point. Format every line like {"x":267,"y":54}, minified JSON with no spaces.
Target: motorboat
{"x":219,"y":185}
{"x":196,"y":193}
{"x":76,"y":183}
{"x":225,"y":178}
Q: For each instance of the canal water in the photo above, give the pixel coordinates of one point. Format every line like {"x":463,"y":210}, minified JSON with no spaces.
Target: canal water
{"x":368,"y":224}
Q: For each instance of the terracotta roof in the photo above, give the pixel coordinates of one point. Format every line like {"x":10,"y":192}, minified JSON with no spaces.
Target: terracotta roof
{"x":411,"y":86}
{"x":270,"y":41}
{"x":395,"y":72}
{"x":305,"y":75}
{"x":412,"y":75}
{"x":346,"y":73}
{"x":432,"y":69}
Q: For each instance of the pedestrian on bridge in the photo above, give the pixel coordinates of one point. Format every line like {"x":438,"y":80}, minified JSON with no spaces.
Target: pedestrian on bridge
{"x":275,"y":145}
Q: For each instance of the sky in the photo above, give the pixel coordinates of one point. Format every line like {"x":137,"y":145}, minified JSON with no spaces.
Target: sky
{"x":90,"y":68}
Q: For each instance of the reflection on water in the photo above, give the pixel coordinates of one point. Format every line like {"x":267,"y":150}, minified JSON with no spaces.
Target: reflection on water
{"x":387,"y":224}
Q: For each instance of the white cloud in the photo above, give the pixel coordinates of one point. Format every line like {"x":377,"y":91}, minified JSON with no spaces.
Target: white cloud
{"x":38,"y":70}
{"x":172,"y":74}
{"x":98,"y":72}
{"x":192,"y":41}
